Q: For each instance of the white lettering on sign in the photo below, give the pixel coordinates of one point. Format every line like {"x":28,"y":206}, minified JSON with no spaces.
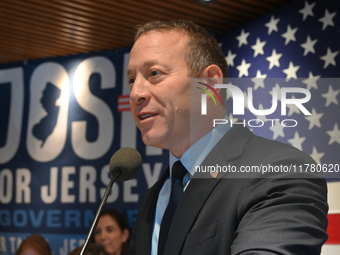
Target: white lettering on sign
{"x":15,"y":77}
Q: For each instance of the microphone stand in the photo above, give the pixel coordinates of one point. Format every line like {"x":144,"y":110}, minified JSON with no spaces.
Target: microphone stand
{"x":96,"y":218}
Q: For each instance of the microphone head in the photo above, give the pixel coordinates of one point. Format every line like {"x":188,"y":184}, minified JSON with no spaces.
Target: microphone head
{"x":126,"y":160}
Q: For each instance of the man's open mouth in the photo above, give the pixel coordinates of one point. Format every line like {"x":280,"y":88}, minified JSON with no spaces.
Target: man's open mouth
{"x":147,"y":115}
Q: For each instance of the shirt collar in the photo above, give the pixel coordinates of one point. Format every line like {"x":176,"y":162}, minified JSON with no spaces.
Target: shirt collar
{"x":195,"y":155}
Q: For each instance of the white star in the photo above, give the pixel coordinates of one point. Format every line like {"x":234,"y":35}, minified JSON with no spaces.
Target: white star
{"x":291,"y":71}
{"x":307,"y":10}
{"x":334,"y":134}
{"x":245,"y":100}
{"x":329,"y":58}
{"x":309,"y":46}
{"x":274,"y":59}
{"x":278,"y":89}
{"x":290,"y":34}
{"x":230,"y":58}
{"x":277,"y":129}
{"x":314,"y":119}
{"x":258,"y":47}
{"x":258,"y":80}
{"x":311,"y":81}
{"x":327,"y":19}
{"x":297,"y":141}
{"x":242,"y":38}
{"x":229,"y":95}
{"x":272,"y":25}
{"x":293,"y":108}
{"x":316,"y":155}
{"x":232,"y":118}
{"x":243,"y":68}
{"x":331,"y":96}
{"x":259,"y":117}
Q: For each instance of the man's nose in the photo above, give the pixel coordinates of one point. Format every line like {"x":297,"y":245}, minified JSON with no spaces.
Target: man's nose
{"x":140,"y":91}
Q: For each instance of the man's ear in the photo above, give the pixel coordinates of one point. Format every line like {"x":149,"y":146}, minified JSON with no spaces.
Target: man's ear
{"x":213,"y":74}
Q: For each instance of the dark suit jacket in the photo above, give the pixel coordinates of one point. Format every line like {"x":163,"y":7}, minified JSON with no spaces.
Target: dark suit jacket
{"x":227,"y":215}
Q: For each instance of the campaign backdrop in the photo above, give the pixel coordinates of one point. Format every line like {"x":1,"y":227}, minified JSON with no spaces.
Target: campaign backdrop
{"x":61,"y":121}
{"x":62,"y":118}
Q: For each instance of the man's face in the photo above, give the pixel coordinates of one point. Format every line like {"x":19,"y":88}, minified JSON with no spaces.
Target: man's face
{"x":160,"y":90}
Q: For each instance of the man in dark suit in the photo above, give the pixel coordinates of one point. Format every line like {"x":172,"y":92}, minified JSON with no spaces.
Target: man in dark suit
{"x":221,"y":212}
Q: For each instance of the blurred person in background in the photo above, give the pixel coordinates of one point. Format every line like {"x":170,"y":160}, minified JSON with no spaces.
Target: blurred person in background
{"x":34,"y":245}
{"x":112,"y":232}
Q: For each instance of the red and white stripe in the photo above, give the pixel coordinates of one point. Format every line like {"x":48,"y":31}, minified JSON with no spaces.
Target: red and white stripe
{"x":123,"y":103}
{"x":332,"y":246}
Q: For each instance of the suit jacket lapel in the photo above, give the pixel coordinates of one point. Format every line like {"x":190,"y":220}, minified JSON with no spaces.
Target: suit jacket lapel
{"x":147,"y":217}
{"x":200,"y":188}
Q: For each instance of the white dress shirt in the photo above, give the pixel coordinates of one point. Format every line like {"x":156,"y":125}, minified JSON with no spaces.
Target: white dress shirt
{"x":194,"y":156}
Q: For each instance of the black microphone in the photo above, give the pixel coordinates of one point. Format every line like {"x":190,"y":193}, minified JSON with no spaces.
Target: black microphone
{"x":127,"y":162}
{"x":124,"y":165}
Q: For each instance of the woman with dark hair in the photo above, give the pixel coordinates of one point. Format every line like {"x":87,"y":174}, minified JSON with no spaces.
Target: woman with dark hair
{"x":34,"y":244}
{"x":112,"y":232}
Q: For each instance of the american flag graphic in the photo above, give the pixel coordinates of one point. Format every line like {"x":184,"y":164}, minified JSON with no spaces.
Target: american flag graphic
{"x":123,"y":103}
{"x":300,"y":45}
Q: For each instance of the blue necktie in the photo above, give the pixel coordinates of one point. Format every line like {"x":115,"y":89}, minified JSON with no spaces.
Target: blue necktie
{"x":178,"y":172}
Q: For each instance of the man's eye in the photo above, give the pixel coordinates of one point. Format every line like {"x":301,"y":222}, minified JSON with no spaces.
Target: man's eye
{"x":131,"y":81}
{"x":154,"y":73}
